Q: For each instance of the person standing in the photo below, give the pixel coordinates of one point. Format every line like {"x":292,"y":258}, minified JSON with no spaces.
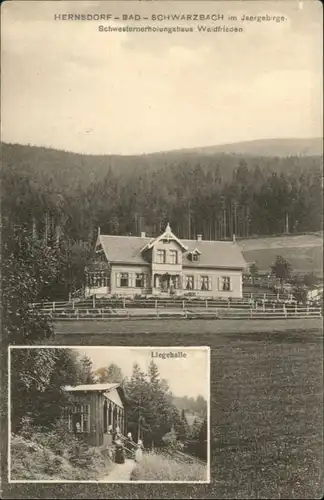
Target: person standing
{"x":116,"y":433}
{"x":139,"y":451}
{"x":130,"y":445}
{"x":119,"y":455}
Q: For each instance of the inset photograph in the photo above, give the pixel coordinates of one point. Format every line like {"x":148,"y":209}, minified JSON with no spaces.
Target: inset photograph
{"x":109,"y":414}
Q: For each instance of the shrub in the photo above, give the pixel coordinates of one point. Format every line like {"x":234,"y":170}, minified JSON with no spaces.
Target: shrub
{"x":170,"y":439}
{"x":32,"y":461}
{"x":197,"y":448}
{"x":55,"y":454}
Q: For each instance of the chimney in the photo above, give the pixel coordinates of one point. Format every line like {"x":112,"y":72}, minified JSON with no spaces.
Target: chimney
{"x":143,"y":235}
{"x":199,"y":237}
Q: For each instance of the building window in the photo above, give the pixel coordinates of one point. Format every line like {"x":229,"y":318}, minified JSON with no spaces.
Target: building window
{"x":174,"y":282}
{"x":194,"y":255}
{"x":97,"y":279}
{"x":189,"y":283}
{"x":124,"y":279}
{"x":205,"y":283}
{"x":173,"y":257}
{"x":226,"y":283}
{"x":157,"y":281}
{"x":139,"y":281}
{"x":78,"y":418}
{"x":160,"y":254}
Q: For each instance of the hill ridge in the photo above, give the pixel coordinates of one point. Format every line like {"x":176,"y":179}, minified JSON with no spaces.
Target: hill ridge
{"x":309,"y":146}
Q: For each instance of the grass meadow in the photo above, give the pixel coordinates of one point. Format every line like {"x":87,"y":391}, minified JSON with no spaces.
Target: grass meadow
{"x":117,"y":331}
{"x":266,"y":406}
{"x":155,"y":467}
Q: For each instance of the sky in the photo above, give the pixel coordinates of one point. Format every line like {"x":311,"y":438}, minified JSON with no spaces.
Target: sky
{"x":186,"y":376}
{"x":69,"y":86}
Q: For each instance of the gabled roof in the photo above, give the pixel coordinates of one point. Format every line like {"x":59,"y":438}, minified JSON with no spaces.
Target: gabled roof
{"x":167,"y":235}
{"x":91,"y":387}
{"x":114,"y":397}
{"x":124,"y":249}
{"x":217,"y":254}
{"x":195,"y":251}
{"x":115,"y":392}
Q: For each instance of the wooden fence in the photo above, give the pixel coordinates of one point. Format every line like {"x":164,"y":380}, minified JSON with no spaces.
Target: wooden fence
{"x":267,"y":306}
{"x":263,"y":301}
{"x":193,"y":313}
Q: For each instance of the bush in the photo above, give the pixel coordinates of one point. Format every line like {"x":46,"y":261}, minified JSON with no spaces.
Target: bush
{"x":170,"y":439}
{"x":32,"y":461}
{"x":154,"y":467}
{"x":197,"y":448}
{"x":55,"y":454}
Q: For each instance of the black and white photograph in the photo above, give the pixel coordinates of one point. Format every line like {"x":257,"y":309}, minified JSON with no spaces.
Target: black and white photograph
{"x":109,"y":414}
{"x":161,"y":190}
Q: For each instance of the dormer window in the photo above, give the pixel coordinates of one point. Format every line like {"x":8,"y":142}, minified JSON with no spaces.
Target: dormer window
{"x":194,"y":255}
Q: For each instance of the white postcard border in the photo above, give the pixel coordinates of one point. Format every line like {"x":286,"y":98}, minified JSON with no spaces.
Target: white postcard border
{"x":156,"y":348}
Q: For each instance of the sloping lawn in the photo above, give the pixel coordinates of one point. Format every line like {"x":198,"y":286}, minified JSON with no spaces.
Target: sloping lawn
{"x":155,"y":467}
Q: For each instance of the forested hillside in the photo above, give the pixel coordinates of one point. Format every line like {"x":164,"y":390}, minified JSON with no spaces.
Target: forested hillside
{"x":212,"y":193}
{"x":266,"y":147}
{"x":198,"y":405}
{"x":60,"y":199}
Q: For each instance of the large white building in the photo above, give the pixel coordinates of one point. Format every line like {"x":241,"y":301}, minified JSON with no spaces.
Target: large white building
{"x":131,"y":265}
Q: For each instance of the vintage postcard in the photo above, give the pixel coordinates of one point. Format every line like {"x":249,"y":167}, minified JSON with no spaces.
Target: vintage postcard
{"x":162,"y":189}
{"x":109,"y":414}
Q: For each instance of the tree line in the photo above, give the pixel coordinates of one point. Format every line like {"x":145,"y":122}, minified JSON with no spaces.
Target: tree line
{"x":38,"y":377}
{"x":51,"y":212}
{"x":157,"y":416}
{"x":214,"y":195}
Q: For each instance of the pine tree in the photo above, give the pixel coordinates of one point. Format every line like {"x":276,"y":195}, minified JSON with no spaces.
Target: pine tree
{"x":111,"y":374}
{"x":181,"y":426}
{"x":152,"y":413}
{"x":38,"y":377}
{"x":137,"y":392}
{"x":114,"y":373}
{"x":29,"y":268}
{"x":154,"y":375}
{"x":86,"y":375}
{"x":254,"y":271}
{"x":282,"y":269}
{"x":202,"y":440}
